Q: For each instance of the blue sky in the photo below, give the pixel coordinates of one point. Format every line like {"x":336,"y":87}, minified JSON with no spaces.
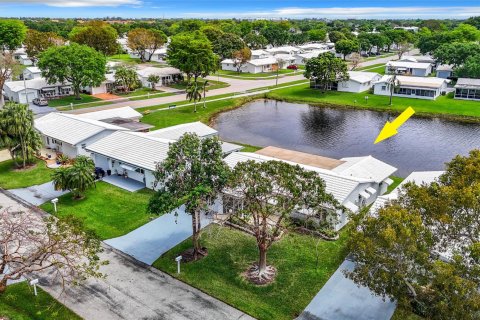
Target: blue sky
{"x":241,"y":9}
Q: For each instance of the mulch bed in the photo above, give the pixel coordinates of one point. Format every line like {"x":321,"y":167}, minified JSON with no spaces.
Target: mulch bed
{"x":252,"y":276}
{"x":188,"y":256}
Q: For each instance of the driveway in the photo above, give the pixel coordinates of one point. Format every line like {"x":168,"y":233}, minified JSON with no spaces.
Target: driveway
{"x":131,"y":289}
{"x":153,"y":239}
{"x":341,"y":298}
{"x":38,"y":194}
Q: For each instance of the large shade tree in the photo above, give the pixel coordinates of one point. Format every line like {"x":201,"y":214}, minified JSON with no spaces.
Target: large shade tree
{"x":12,"y":34}
{"x":193,"y":175}
{"x":17,"y":133}
{"x":79,"y":65}
{"x":266,"y":194}
{"x":36,"y":42}
{"x":98,"y":35}
{"x":325,"y":70}
{"x":144,"y":42}
{"x":60,"y":248}
{"x":424,"y":248}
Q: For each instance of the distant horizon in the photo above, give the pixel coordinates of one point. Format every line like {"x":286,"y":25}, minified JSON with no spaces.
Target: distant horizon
{"x":248,"y":9}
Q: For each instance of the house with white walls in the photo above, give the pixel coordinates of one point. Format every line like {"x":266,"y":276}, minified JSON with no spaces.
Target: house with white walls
{"x":359,"y":81}
{"x":70,"y":134}
{"x":303,"y":57}
{"x":444,"y":71}
{"x":412,"y":87}
{"x":467,"y":89}
{"x":167,"y":75}
{"x":408,"y":68}
{"x":30,"y":73}
{"x":253,"y":66}
{"x":353,"y":182}
{"x":25,"y":91}
{"x":259,"y":54}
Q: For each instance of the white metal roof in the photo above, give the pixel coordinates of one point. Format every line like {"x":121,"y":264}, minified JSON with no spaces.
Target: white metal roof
{"x":124,"y":113}
{"x":313,"y":46}
{"x":35,"y":84}
{"x":228,"y":61}
{"x":145,"y":72}
{"x":340,"y":187}
{"x":70,"y":128}
{"x":137,"y":149}
{"x":228,"y":147}
{"x":259,"y":52}
{"x":363,"y":76}
{"x":365,"y":167}
{"x":445,"y":67}
{"x":33,"y":69}
{"x":263,"y":61}
{"x":420,"y":82}
{"x":408,"y":64}
{"x":284,"y":56}
{"x":468,"y":83}
{"x":284,"y":49}
{"x":175,"y":132}
{"x":311,"y":54}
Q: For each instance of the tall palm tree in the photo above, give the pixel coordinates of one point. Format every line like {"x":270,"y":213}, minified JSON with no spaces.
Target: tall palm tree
{"x":392,"y":82}
{"x":194,"y":93}
{"x":205,"y":84}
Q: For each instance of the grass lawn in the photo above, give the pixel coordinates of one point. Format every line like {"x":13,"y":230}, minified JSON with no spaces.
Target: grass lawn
{"x":125,"y":57}
{"x":247,"y":75}
{"x":396,"y":182}
{"x":65,"y":101}
{"x":213,"y":84}
{"x":443,"y":105}
{"x":231,"y":252}
{"x":248,"y":147}
{"x":19,"y":303}
{"x":13,"y":179}
{"x":139,"y":92}
{"x":108,"y":210}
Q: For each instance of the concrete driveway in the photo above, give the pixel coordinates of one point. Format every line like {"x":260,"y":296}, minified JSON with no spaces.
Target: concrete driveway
{"x":153,"y":239}
{"x":131,"y":290}
{"x":341,"y":298}
{"x":38,"y":194}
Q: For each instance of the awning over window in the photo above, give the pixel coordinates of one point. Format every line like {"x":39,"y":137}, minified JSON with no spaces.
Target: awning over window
{"x":364,"y":195}
{"x":124,"y":166}
{"x":371,"y":190}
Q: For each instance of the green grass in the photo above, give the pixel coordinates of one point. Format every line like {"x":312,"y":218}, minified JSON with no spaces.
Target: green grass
{"x":212,"y":84}
{"x":231,"y":252}
{"x":108,"y":210}
{"x":443,"y":105}
{"x":13,"y":179}
{"x":248,"y":147}
{"x":396,"y":182}
{"x":234,"y":74}
{"x":123,"y":58}
{"x":139,"y":92}
{"x":19,"y":303}
{"x":378,"y":68}
{"x":65,"y":101}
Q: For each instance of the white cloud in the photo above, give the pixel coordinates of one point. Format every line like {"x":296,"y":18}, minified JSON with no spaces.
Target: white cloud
{"x":360,"y":12}
{"x":80,"y":3}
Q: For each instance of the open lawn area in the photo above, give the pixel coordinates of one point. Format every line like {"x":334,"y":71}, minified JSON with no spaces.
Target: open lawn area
{"x":212,"y":84}
{"x":108,"y":210}
{"x":247,"y":75}
{"x":10,"y":178}
{"x":124,"y":57}
{"x":19,"y":303}
{"x":378,"y":68}
{"x":443,"y":105}
{"x":301,"y":273}
{"x":65,"y":101}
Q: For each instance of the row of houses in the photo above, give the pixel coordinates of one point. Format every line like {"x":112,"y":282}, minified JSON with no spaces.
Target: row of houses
{"x":33,"y":85}
{"x":131,"y":152}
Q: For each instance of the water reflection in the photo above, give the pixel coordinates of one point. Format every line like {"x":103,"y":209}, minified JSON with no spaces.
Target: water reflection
{"x":422,"y":144}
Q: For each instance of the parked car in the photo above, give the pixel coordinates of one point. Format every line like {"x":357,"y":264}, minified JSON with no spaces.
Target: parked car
{"x":41,"y":102}
{"x":292,"y":67}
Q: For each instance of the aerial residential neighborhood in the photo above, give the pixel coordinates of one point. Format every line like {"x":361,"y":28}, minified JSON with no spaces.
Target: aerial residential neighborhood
{"x":268,"y":160}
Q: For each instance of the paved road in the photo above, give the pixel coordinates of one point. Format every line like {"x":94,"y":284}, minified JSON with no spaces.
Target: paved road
{"x":386,"y":59}
{"x":131,"y":290}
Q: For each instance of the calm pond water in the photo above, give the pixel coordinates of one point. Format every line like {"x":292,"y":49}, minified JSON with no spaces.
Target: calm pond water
{"x":421,"y":144}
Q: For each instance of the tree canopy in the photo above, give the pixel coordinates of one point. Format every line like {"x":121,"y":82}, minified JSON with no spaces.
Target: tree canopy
{"x":36,"y":42}
{"x":12,"y":34}
{"x":77,"y":64}
{"x":97,"y":34}
{"x":144,"y":42}
{"x":326,"y":69}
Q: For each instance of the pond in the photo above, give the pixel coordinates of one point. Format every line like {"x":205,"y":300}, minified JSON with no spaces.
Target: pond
{"x":422,"y":143}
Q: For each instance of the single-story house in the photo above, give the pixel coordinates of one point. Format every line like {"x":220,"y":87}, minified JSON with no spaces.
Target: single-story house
{"x":302,"y":58}
{"x":259,"y":54}
{"x":229,"y":65}
{"x":21,"y":91}
{"x":125,"y":117}
{"x":31,"y":73}
{"x":135,"y":155}
{"x":107,"y":85}
{"x":315,"y":46}
{"x":21,"y":56}
{"x":71,"y":134}
{"x":419,"y":59}
{"x":284,"y":60}
{"x":444,"y":71}
{"x":467,"y":89}
{"x":167,"y":75}
{"x":352,"y":192}
{"x":412,"y":87}
{"x":158,"y":55}
{"x":411,"y":29}
{"x":284,"y":49}
{"x":408,"y":68}
{"x":253,"y":66}
{"x":359,"y":81}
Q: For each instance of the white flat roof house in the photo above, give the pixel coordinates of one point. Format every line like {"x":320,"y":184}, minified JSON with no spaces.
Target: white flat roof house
{"x":167,"y":75}
{"x":284,"y":49}
{"x":20,"y":91}
{"x":419,"y":59}
{"x":134,"y":155}
{"x":418,"y":69}
{"x":253,"y":66}
{"x":315,"y":46}
{"x":412,"y":87}
{"x":21,"y":56}
{"x":350,"y":191}
{"x":71,"y":134}
{"x":444,"y":71}
{"x":157,"y":55}
{"x":302,"y":58}
{"x":359,"y":81}
{"x":259,"y":54}
{"x":467,"y":89}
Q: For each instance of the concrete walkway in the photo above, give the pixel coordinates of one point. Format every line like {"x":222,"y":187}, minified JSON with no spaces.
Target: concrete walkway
{"x":38,"y":194}
{"x":131,"y":289}
{"x":153,"y":239}
{"x":341,"y":298}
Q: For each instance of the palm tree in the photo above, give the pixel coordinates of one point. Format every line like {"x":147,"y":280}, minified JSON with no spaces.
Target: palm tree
{"x":194,"y":93}
{"x":205,"y":84}
{"x":392,"y":82}
{"x":77,"y":178}
{"x":153,"y":79}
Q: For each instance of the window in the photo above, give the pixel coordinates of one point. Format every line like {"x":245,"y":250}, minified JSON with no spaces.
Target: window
{"x":84,"y":146}
{"x":384,"y":88}
{"x":140,"y":170}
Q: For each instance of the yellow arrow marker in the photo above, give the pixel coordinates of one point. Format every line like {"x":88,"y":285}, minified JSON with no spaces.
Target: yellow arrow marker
{"x":390,"y":128}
